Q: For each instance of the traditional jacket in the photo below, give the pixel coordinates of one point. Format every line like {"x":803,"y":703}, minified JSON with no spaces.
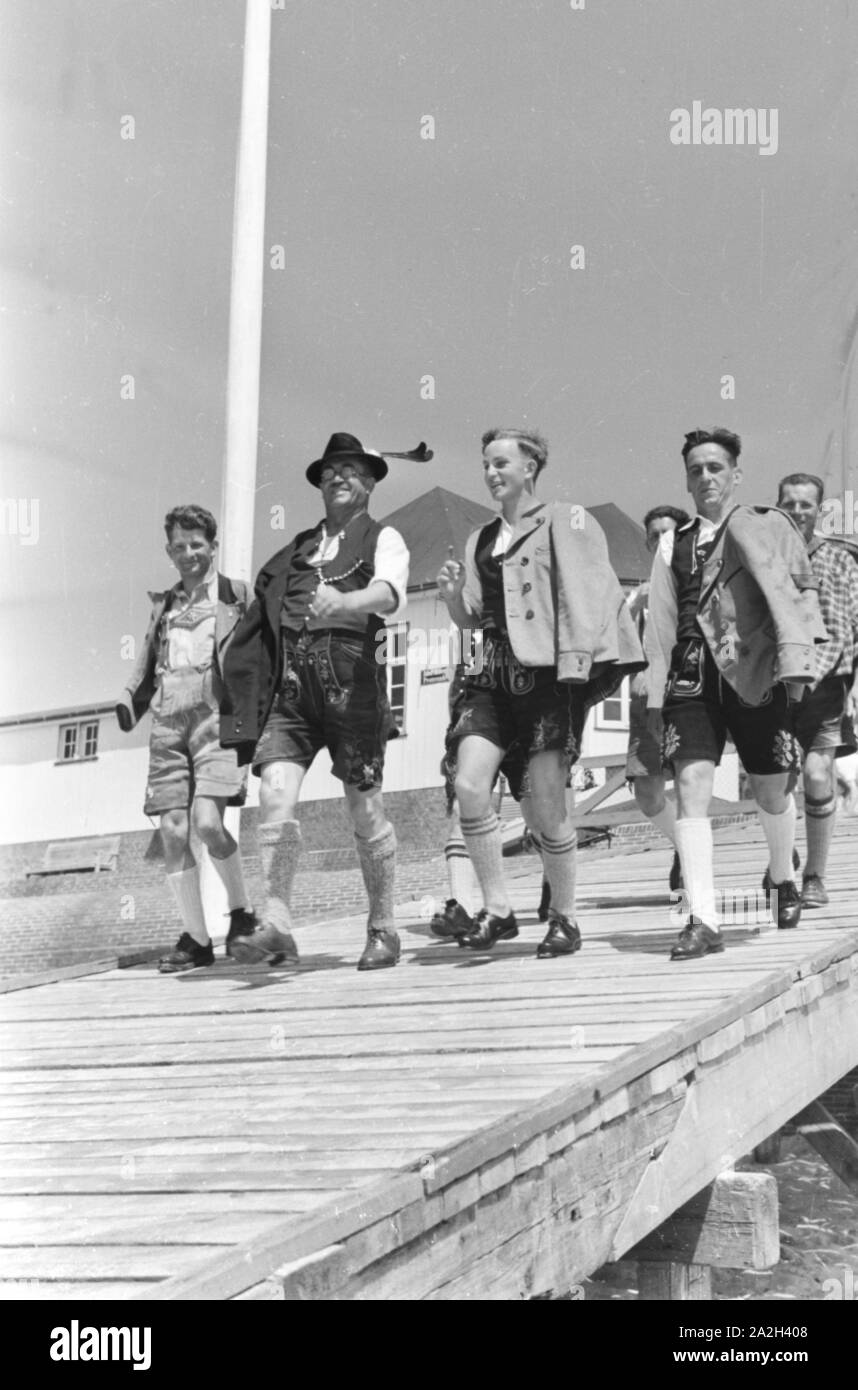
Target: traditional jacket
{"x":563,"y":602}
{"x":758,"y":609}
{"x":233,"y":597}
{"x":254,"y":664}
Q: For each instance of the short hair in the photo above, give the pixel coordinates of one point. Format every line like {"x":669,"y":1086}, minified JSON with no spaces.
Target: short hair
{"x":530,"y":442}
{"x":802,"y":480}
{"x":191,"y":518}
{"x":726,"y":438}
{"x":675,"y":513}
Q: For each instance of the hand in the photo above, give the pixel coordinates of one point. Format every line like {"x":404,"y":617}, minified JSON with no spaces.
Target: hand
{"x":451,"y":577}
{"x":329,"y":603}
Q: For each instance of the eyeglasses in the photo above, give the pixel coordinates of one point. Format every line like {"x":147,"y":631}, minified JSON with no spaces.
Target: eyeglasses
{"x":346,"y":471}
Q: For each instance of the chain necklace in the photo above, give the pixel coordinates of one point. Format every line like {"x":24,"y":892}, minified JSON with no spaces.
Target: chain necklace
{"x":319,"y":564}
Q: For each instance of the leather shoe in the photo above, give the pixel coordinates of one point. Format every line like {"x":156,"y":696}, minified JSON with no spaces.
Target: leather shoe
{"x":767,"y":877}
{"x":695,"y":940}
{"x":266,"y":943}
{"x":488,"y":929}
{"x":788,"y":903}
{"x":562,"y":938}
{"x":544,"y":901}
{"x":381,"y":949}
{"x":242,"y":922}
{"x":453,"y":921}
{"x":813,"y":892}
{"x":187,"y":955}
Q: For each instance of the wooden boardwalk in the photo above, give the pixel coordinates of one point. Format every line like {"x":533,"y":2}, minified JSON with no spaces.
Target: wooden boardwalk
{"x":484,"y":1126}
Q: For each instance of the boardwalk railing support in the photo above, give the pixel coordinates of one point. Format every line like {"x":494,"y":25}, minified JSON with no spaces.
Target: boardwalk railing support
{"x":821,"y":1130}
{"x":731,"y":1224}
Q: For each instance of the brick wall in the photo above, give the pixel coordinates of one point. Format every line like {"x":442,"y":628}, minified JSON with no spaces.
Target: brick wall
{"x":65,"y":919}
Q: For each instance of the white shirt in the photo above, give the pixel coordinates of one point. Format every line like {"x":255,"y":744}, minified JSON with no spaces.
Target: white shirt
{"x":390,"y":562}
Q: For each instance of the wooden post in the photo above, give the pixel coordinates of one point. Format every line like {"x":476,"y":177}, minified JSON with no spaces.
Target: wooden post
{"x":731,"y":1224}
{"x":238,"y":491}
{"x":821,"y":1130}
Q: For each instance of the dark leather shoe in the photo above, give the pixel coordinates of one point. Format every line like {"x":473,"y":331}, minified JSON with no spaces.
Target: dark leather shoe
{"x":381,"y":950}
{"x":674,"y":881}
{"x":562,"y":938}
{"x":453,"y":921}
{"x":188,"y":954}
{"x":242,"y":922}
{"x":488,"y":929}
{"x":695,"y":940}
{"x":544,"y":901}
{"x":788,"y":913}
{"x":767,"y":877}
{"x":813,"y":892}
{"x":266,"y":943}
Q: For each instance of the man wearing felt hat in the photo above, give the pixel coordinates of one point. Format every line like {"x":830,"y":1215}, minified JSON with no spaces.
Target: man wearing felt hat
{"x":302,"y":674}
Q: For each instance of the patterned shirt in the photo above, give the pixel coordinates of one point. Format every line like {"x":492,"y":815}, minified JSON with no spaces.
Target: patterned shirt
{"x":188,"y":631}
{"x":836,"y":568}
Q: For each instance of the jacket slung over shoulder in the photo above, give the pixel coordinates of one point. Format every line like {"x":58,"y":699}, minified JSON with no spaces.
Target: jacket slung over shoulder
{"x":564,"y":604}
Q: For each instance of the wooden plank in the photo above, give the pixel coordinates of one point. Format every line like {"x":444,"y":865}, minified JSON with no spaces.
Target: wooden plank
{"x":819,"y":1127}
{"x":731,"y":1224}
{"x":675,"y":1282}
{"x":65,"y":1290}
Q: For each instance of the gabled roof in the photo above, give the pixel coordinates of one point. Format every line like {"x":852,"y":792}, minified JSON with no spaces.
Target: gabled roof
{"x":431,"y":524}
{"x":439,"y":519}
{"x":626,"y":539}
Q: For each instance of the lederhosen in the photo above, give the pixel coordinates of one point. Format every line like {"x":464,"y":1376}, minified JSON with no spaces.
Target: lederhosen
{"x":700,"y":707}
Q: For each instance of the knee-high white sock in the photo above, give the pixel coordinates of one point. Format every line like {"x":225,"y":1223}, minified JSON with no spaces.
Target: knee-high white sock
{"x":231,"y":875}
{"x":558,"y":861}
{"x":665,"y":820}
{"x":694,"y":844}
{"x":780,"y":837}
{"x":460,"y":872}
{"x":820,"y":819}
{"x":483,"y":839}
{"x":185,"y":887}
{"x":378,"y":866}
{"x":279,"y":850}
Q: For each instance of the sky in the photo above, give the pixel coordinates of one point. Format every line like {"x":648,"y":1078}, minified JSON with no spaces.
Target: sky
{"x":403,"y":258}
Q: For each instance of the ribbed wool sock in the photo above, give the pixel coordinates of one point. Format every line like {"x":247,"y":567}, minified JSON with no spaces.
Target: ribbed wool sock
{"x":558,"y":859}
{"x":231,"y":875}
{"x":694,"y":844}
{"x":780,"y":836}
{"x":378,"y":866}
{"x":185,"y":887}
{"x":279,"y":850}
{"x":665,"y":820}
{"x":820,"y":819}
{"x":460,"y":873}
{"x":483,"y":839}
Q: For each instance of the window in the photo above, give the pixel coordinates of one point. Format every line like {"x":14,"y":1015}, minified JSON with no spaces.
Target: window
{"x":397,"y":666}
{"x":614,"y":712}
{"x":78,"y":741}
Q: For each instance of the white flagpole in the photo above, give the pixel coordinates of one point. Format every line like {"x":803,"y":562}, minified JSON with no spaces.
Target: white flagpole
{"x":245,"y":340}
{"x":245,"y":311}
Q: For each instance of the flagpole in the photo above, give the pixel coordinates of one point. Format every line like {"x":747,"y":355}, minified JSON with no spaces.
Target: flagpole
{"x":245,"y":309}
{"x":238,"y":491}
